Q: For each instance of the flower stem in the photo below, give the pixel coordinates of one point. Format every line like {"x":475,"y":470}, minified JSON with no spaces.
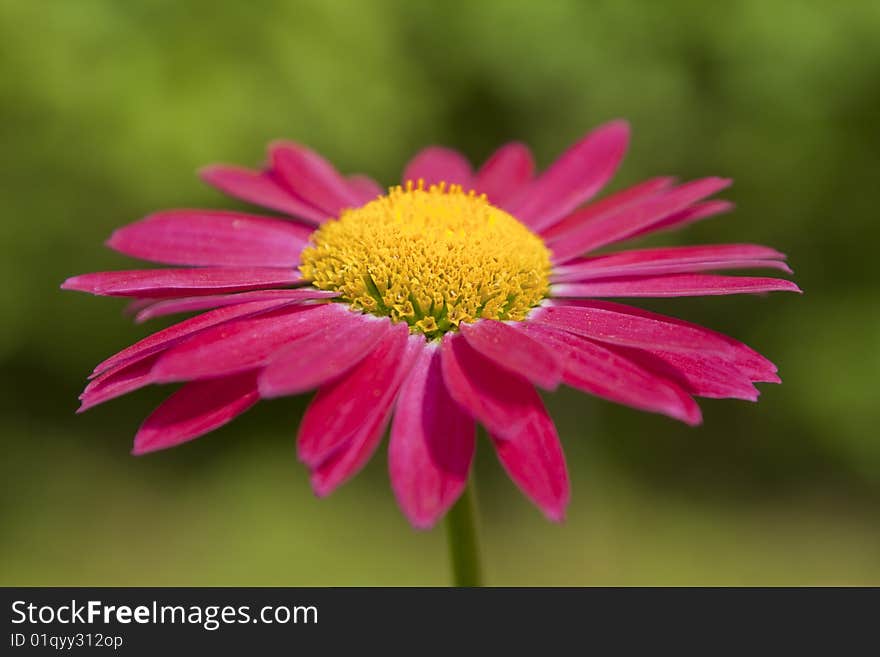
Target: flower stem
{"x":464,"y":549}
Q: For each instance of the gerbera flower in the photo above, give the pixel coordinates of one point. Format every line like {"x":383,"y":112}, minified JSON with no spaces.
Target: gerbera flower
{"x":439,"y":304}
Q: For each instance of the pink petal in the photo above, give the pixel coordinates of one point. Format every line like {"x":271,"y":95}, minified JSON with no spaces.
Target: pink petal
{"x":614,"y":203}
{"x":194,"y":410}
{"x":588,"y":271}
{"x":349,"y":457}
{"x":502,"y":401}
{"x":749,"y":362}
{"x":609,"y":322}
{"x":670,"y":260}
{"x":205,"y":237}
{"x":359,"y":399}
{"x":312,"y":178}
{"x":136,"y":306}
{"x":601,"y":371}
{"x":615,"y":226}
{"x":243,"y":344}
{"x":154,"y":308}
{"x":574,"y":178}
{"x":673,"y":285}
{"x":514,"y":351}
{"x":432,"y":444}
{"x":365,"y":188}
{"x":436,"y":164}
{"x":174,"y":334}
{"x":704,"y":375}
{"x":534,"y":460}
{"x":505,"y":173}
{"x":697,"y":212}
{"x":259,"y":188}
{"x":180,"y":282}
{"x":315,"y":359}
{"x":117,"y":381}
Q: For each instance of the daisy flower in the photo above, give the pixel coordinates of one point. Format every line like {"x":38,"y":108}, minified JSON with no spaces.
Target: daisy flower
{"x":441,"y":303}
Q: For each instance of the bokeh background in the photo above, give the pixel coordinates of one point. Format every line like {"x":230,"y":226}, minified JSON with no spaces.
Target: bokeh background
{"x":108,"y":107}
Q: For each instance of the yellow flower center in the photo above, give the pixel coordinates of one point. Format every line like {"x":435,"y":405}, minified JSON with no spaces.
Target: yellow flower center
{"x":432,"y":258}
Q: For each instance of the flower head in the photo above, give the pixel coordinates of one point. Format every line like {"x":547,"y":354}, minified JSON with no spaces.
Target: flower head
{"x":433,"y":306}
{"x":431,"y":257}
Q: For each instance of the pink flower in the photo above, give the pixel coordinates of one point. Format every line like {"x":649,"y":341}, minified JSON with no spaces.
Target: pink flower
{"x":434,"y":306}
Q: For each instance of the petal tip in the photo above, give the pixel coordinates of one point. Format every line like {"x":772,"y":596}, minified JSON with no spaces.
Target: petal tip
{"x":693,"y":414}
{"x":267,"y":391}
{"x":555,"y":512}
{"x":722,"y":181}
{"x":72,"y":283}
{"x":420,"y":523}
{"x":320,"y":488}
{"x":617,"y":131}
{"x":145,"y":443}
{"x":209,"y":172}
{"x":620,"y":125}
{"x":279,"y":143}
{"x":311,"y":461}
{"x":785,"y":285}
{"x":115,"y":240}
{"x":139,"y":450}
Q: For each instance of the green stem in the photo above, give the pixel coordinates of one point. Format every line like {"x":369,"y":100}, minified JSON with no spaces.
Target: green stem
{"x":464,"y":549}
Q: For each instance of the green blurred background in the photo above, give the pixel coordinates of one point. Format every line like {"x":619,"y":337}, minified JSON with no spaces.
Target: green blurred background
{"x":107,"y":107}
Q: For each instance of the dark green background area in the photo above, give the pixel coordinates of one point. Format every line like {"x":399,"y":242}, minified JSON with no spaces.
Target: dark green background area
{"x":108,"y":107}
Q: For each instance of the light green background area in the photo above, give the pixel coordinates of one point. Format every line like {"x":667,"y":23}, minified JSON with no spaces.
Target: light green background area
{"x":108,"y":107}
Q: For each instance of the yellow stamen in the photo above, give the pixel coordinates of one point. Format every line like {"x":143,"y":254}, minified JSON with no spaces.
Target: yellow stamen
{"x":431,"y":257}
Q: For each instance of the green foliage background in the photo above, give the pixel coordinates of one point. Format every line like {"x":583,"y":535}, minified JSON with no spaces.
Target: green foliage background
{"x":107,"y":107}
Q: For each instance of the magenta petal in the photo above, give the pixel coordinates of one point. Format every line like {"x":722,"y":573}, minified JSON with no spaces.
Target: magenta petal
{"x":432,"y":444}
{"x":670,"y":260}
{"x":574,"y":178}
{"x":138,"y":305}
{"x":514,"y":351}
{"x":584,"y":271}
{"x":534,"y":460}
{"x":673,"y":285}
{"x":153,"y":308}
{"x":364,"y":395}
{"x":749,"y":362}
{"x":632,"y":219}
{"x":353,"y":454}
{"x":174,"y":334}
{"x":610,"y":204}
{"x":259,"y":188}
{"x":344,"y":461}
{"x":243,"y":344}
{"x":180,"y":282}
{"x":364,"y":188}
{"x":505,"y":173}
{"x":601,"y":371}
{"x":314,"y":359}
{"x":205,"y":237}
{"x":697,"y":212}
{"x":117,"y":381}
{"x":436,"y":164}
{"x":194,"y":410}
{"x":502,"y":401}
{"x":312,"y":178}
{"x":608,"y":322}
{"x":703,"y":375}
